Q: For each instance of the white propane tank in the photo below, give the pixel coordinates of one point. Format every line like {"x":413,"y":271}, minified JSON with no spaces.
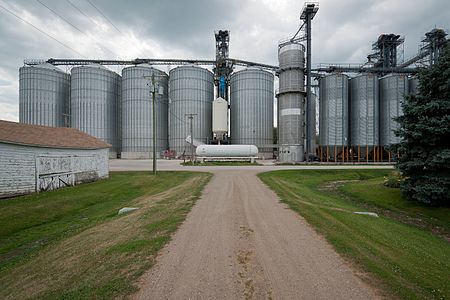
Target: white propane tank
{"x":220,"y":116}
{"x":227,"y":150}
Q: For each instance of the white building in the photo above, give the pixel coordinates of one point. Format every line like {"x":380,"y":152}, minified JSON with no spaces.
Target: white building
{"x":40,"y":158}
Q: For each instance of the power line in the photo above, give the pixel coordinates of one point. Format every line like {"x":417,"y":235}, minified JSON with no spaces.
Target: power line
{"x":41,"y":31}
{"x":177,"y":117}
{"x":77,"y":8}
{"x":96,"y":8}
{"x":106,"y":18}
{"x":92,"y":20}
{"x":59,"y":16}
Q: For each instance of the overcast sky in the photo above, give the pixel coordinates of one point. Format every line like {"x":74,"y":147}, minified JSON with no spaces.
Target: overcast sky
{"x":343,"y":30}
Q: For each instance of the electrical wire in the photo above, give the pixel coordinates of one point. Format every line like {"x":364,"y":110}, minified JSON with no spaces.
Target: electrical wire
{"x":59,"y":16}
{"x":41,"y":31}
{"x":177,"y":117}
{"x":106,"y":18}
{"x":87,"y":16}
{"x":109,"y":20}
{"x":77,"y":8}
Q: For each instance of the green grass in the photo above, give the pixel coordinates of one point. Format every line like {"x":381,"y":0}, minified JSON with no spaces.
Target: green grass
{"x":221,"y":163}
{"x":385,"y":199}
{"x":71,"y":244}
{"x":399,"y":254}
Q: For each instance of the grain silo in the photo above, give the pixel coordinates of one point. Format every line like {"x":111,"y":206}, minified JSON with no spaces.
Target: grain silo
{"x":251,"y":109}
{"x":44,"y":92}
{"x":291,"y":103}
{"x":95,"y":92}
{"x":191,"y":93}
{"x":334,"y":118}
{"x":393,"y":88}
{"x":137,"y":112}
{"x":364,"y":117}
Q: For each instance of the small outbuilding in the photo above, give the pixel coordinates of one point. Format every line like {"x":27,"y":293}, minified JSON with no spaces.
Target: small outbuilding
{"x":41,"y":158}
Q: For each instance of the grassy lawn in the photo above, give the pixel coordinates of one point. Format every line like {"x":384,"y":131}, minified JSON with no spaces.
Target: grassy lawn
{"x":221,"y":163}
{"x":404,"y":252}
{"x":70,"y":243}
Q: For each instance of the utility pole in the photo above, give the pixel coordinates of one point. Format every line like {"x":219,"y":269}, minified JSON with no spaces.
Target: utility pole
{"x":153,"y":89}
{"x":191,"y":119}
{"x":154,"y":123}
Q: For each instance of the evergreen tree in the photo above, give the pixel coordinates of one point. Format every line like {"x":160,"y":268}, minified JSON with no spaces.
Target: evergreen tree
{"x":425,"y":133}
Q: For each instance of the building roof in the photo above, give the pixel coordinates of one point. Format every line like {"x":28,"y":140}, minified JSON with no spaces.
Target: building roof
{"x":49,"y":137}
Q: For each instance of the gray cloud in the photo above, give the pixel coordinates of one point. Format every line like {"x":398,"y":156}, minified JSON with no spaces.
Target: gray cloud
{"x":343,"y":30}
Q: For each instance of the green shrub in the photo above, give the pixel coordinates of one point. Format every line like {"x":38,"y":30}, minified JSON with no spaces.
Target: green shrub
{"x":393,"y":180}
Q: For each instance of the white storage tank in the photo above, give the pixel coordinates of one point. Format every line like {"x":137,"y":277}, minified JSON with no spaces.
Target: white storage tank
{"x":227,"y":151}
{"x":220,"y":117}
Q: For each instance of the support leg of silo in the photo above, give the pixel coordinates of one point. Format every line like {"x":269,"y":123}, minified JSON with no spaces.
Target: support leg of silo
{"x":367,"y":153}
{"x":347,"y":153}
{"x":335,"y":154}
{"x":320,"y":153}
{"x":359,"y":152}
{"x":375,"y":157}
{"x":328,"y":153}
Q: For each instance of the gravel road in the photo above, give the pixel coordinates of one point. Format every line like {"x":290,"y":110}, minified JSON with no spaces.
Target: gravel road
{"x":240,"y":242}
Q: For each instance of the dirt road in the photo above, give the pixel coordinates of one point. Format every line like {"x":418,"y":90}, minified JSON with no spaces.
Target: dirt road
{"x":239,"y":242}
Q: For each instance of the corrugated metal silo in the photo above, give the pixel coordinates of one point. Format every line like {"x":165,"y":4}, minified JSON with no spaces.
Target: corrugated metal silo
{"x":137,"y":112}
{"x":44,"y":92}
{"x":393,"y":88}
{"x":251,"y":111}
{"x":191,"y":91}
{"x":333,"y":110}
{"x":364,"y":110}
{"x":94,"y":103}
{"x":291,"y":103}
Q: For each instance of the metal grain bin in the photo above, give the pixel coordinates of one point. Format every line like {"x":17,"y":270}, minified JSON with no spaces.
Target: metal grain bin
{"x":291,"y":55}
{"x":251,"y":111}
{"x":393,"y":88}
{"x":44,"y":92}
{"x":191,"y":91}
{"x":364,"y":110}
{"x":333,"y":110}
{"x":291,"y":59}
{"x":95,"y":92}
{"x":291,"y":103}
{"x":137,"y":112}
{"x":291,"y":127}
